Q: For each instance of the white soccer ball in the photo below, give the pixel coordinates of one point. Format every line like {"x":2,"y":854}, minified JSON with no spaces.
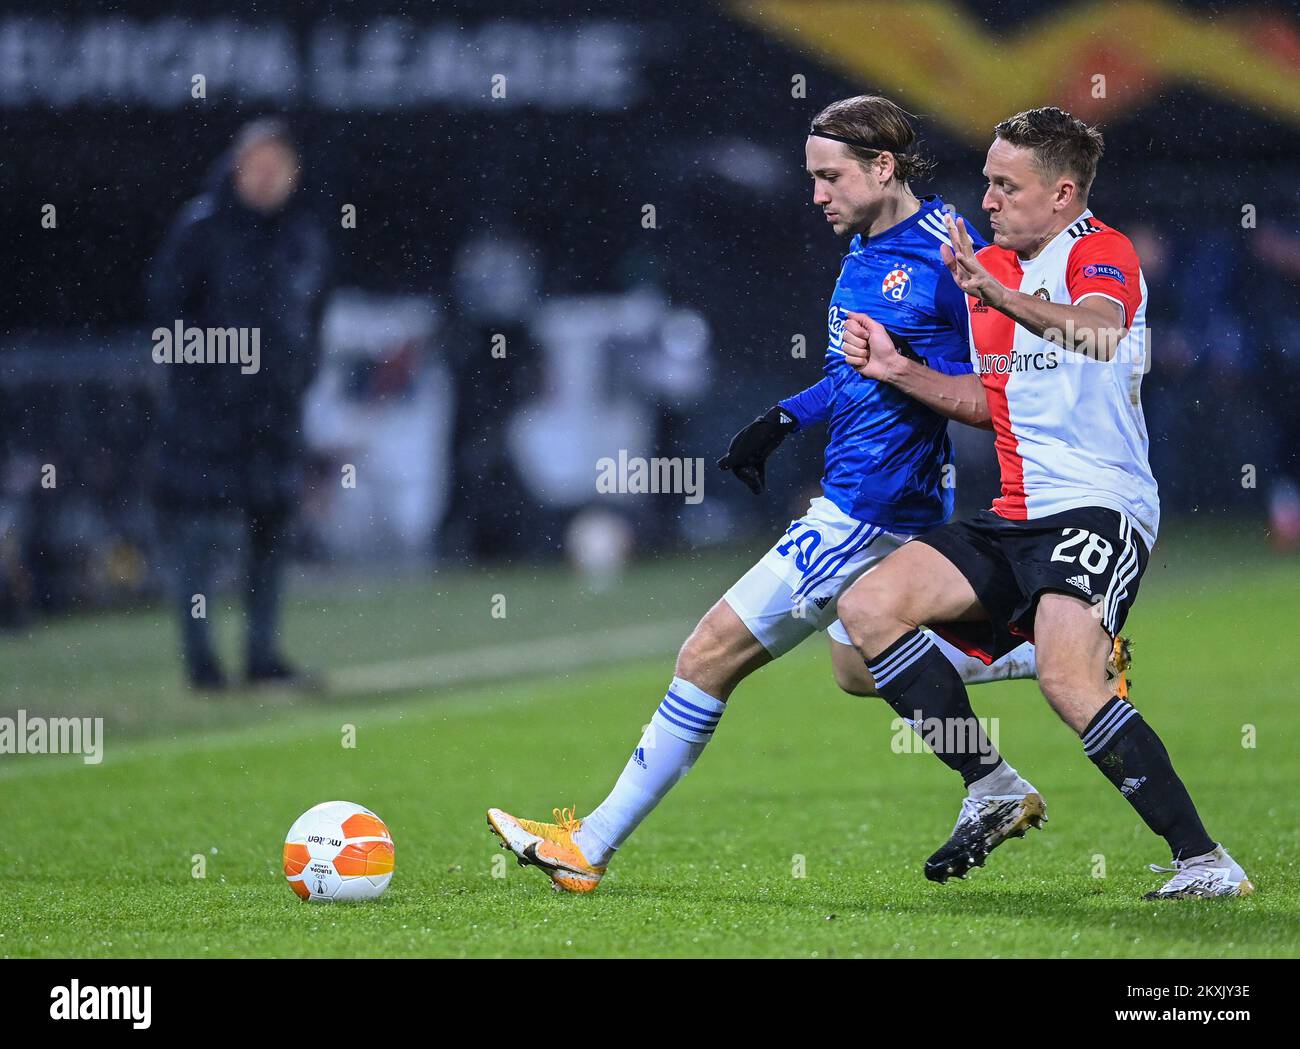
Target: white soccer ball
{"x":338,"y":851}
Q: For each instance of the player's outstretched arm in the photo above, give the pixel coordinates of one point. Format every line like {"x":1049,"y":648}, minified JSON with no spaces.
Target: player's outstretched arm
{"x":1094,"y":326}
{"x":812,"y":405}
{"x":749,"y":449}
{"x":747,"y":454}
{"x":872,"y":354}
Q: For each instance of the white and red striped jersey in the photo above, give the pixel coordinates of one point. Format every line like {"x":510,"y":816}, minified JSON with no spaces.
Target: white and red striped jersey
{"x":1069,"y":426}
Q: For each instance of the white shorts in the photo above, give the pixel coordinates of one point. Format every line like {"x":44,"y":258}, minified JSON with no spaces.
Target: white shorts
{"x":794,"y":590}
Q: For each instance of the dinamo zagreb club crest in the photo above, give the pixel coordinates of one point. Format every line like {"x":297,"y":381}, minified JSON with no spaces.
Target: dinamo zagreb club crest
{"x":896,"y":285}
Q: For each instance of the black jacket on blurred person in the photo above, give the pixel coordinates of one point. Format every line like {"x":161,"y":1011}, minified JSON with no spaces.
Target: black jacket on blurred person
{"x":227,"y":439}
{"x":245,"y":254}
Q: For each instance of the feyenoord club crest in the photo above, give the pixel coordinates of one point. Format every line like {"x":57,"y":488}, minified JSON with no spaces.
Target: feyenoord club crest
{"x":896,"y":285}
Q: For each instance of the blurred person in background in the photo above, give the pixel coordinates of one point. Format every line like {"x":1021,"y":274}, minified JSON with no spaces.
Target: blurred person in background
{"x":1278,"y":253}
{"x":496,"y":285}
{"x":245,"y":253}
{"x":1174,"y":413}
{"x":1204,"y":368}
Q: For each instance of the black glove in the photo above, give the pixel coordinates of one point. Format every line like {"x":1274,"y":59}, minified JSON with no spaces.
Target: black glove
{"x":747,"y":454}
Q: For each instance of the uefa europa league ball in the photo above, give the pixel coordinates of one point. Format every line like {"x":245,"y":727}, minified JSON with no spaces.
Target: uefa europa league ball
{"x":336,"y":852}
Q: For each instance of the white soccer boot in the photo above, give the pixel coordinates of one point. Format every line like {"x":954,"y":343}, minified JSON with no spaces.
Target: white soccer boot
{"x":1214,"y":874}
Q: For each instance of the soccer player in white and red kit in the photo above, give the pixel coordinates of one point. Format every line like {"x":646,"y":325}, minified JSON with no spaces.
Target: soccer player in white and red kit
{"x":1058,"y":336}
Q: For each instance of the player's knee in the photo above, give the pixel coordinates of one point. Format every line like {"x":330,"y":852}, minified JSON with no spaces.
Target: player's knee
{"x":867,"y":611}
{"x":709,"y":653}
{"x":693,"y":656}
{"x":1059,"y":683}
{"x":854,"y":608}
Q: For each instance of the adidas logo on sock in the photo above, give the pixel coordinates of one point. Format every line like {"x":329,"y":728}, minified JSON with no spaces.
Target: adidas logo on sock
{"x":638,"y":756}
{"x":1130,"y":785}
{"x":1083,"y":582}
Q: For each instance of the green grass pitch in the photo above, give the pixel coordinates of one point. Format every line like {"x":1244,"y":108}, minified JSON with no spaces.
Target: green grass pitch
{"x":801,"y":832}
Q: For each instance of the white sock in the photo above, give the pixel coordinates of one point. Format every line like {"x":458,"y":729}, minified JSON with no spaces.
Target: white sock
{"x":1020,"y":662}
{"x":672,"y":743}
{"x":1002,"y":780}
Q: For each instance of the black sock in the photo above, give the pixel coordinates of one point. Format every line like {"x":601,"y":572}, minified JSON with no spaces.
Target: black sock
{"x":1131,"y":756}
{"x":917,"y":680}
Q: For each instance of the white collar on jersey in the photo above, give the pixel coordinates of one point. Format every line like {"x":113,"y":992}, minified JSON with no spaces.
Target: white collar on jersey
{"x":1080,"y":222}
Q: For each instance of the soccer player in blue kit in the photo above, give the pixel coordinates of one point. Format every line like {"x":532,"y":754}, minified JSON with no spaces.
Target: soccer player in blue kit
{"x":888,"y":478}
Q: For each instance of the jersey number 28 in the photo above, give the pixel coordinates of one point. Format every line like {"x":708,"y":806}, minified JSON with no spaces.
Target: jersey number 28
{"x":1095,"y":556}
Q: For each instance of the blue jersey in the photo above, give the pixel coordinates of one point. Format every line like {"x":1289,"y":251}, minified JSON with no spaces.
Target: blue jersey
{"x":886,"y":453}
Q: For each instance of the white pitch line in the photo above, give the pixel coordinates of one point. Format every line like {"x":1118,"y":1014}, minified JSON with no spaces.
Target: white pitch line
{"x":543,"y":656}
{"x":486,"y":662}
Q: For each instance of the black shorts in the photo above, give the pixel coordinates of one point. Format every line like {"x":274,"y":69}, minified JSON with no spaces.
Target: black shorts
{"x":1092,"y":553}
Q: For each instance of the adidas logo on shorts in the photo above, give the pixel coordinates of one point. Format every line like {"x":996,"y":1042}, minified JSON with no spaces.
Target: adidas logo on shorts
{"x":1083,"y":582}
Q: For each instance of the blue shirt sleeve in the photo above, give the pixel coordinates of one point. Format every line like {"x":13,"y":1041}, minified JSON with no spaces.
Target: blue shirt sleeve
{"x":812,"y":405}
{"x":951,"y":303}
